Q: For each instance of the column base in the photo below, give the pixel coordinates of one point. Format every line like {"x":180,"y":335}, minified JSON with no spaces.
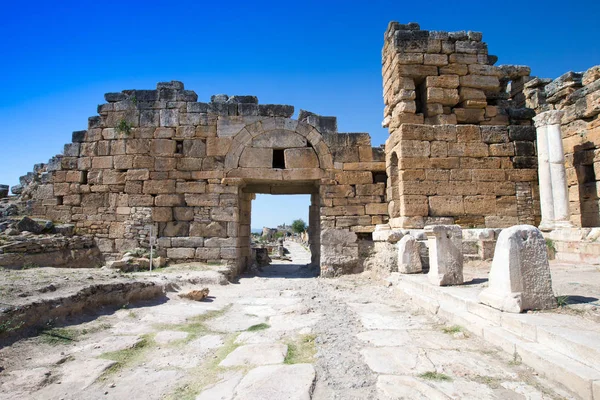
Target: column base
{"x":563,"y":224}
{"x":546,"y":226}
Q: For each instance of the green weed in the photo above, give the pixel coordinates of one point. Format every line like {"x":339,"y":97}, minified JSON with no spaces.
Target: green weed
{"x":434,"y":376}
{"x":127,"y":357}
{"x":301,"y":350}
{"x":258,"y":327}
{"x":452,"y":329}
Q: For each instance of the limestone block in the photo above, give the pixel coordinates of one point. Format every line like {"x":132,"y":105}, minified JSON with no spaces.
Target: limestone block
{"x":354,"y":177}
{"x":435,"y":59}
{"x":181,"y":253}
{"x":103,"y":162}
{"x":445,"y":97}
{"x":159,"y":186}
{"x":454,"y":69}
{"x":169,"y":117}
{"x":463,"y":59}
{"x":162,"y":214}
{"x":163,"y":146}
{"x":184,"y":214}
{"x":483,"y":82}
{"x":279,"y":139}
{"x":217,"y":146}
{"x":339,"y":251}
{"x":409,"y":260}
{"x":443,"y":206}
{"x":469,"y":115}
{"x":112,"y":177}
{"x":194,"y":148}
{"x":212,"y":229}
{"x":204,"y":253}
{"x":169,"y":200}
{"x":300,"y":158}
{"x":202,"y":200}
{"x":374,"y":189}
{"x":256,"y":158}
{"x":442,"y":81}
{"x":175,"y":229}
{"x":520,"y":277}
{"x":376,"y":209}
{"x":445,"y":254}
{"x":137,"y":175}
{"x":189,"y":164}
{"x":408,"y":58}
{"x":417,"y":71}
{"x":140,"y":146}
{"x":190,"y":187}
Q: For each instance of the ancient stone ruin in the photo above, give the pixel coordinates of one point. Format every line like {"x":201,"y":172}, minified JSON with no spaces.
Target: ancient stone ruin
{"x":483,"y":165}
{"x":461,"y":150}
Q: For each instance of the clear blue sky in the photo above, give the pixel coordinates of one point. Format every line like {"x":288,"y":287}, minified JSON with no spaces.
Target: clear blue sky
{"x":59,"y":58}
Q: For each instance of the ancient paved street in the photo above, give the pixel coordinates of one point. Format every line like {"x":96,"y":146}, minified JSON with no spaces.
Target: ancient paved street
{"x":283,"y":335}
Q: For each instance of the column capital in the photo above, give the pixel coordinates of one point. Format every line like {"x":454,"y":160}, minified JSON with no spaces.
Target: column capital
{"x":552,"y":117}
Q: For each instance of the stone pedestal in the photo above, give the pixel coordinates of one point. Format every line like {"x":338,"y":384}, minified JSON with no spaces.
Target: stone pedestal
{"x":445,"y":254}
{"x":409,"y":260}
{"x":520,"y":274}
{"x":554,"y":195}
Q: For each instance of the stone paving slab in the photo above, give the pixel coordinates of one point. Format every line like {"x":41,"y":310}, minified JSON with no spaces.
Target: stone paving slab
{"x":290,"y":382}
{"x":256,"y":354}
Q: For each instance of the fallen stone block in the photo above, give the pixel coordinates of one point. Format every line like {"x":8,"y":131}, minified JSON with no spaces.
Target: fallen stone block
{"x":445,"y":254}
{"x":33,"y":226}
{"x":196,"y":295}
{"x":520,"y":275}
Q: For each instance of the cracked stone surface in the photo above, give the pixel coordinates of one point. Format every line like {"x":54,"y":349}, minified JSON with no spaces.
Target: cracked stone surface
{"x":345,"y":338}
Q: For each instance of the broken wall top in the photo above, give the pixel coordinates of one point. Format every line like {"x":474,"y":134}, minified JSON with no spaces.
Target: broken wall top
{"x":436,"y":77}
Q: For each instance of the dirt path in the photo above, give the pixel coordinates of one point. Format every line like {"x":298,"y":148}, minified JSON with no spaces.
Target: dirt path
{"x":281,"y":335}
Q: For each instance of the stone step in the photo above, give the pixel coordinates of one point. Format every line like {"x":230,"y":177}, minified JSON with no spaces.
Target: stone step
{"x":564,"y":348}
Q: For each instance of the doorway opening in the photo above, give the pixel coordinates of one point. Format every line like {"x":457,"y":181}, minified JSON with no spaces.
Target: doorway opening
{"x":284,"y":225}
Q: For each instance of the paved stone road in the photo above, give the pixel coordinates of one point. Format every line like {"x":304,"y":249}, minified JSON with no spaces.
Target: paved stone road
{"x":282,"y":335}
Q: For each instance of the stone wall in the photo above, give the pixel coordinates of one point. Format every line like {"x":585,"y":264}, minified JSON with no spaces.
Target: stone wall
{"x":159,"y":161}
{"x":462,"y":146}
{"x":578,"y":95}
{"x":436,"y":77}
{"x":474,"y":176}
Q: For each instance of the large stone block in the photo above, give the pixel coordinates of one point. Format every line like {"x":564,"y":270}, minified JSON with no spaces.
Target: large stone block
{"x":212,"y":229}
{"x":256,"y":158}
{"x":445,"y":254}
{"x":279,"y":139}
{"x":301,"y":158}
{"x":409,"y":259}
{"x":443,"y":206}
{"x":520,"y":277}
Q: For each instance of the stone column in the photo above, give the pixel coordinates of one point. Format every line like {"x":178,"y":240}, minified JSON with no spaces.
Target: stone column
{"x":546,"y":202}
{"x":556,"y":158}
{"x":554,"y":196}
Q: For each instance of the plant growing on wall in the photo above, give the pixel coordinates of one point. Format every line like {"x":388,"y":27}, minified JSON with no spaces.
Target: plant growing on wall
{"x":123,"y":127}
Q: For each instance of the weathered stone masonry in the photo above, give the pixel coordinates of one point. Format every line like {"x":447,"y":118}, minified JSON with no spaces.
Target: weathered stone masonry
{"x":159,"y":160}
{"x":461,"y":147}
{"x":461,"y":150}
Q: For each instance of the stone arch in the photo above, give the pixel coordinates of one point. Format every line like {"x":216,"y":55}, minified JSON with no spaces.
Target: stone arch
{"x":277,"y":127}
